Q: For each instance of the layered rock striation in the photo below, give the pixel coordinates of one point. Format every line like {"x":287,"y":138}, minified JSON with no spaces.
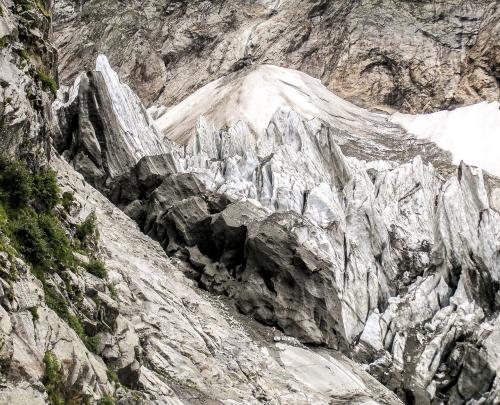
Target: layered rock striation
{"x":393,"y":54}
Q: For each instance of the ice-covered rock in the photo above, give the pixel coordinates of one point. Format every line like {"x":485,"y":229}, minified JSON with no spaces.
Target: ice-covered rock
{"x":102,"y":125}
{"x":192,"y":344}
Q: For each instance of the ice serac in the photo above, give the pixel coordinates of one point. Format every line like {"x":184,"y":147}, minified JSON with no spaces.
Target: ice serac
{"x":333,"y":225}
{"x":102,"y":125}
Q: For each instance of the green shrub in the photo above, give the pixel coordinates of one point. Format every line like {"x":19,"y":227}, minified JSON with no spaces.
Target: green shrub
{"x":47,"y":82}
{"x":53,"y":379}
{"x":46,"y":190}
{"x":107,"y":400}
{"x":60,"y":249}
{"x":30,"y":239}
{"x":55,"y":302}
{"x":4,"y":218}
{"x":87,"y":230}
{"x":112,"y":376}
{"x":23,"y":53}
{"x":34,"y":313}
{"x":16,"y":183}
{"x":41,"y":7}
{"x":97,"y":268}
{"x":112,"y":291}
{"x":67,"y":200}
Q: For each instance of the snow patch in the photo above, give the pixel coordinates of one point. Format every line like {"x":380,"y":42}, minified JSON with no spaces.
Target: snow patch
{"x":471,"y":133}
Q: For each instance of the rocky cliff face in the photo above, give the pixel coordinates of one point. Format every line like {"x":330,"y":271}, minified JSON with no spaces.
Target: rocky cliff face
{"x":415,"y":56}
{"x":27,"y":68}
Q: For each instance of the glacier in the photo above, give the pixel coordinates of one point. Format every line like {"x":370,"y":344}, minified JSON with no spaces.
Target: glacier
{"x":322,"y":219}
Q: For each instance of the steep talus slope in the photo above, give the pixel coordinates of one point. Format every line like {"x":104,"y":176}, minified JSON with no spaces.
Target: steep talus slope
{"x":445,"y":53}
{"x":389,"y":260}
{"x":192,"y":348}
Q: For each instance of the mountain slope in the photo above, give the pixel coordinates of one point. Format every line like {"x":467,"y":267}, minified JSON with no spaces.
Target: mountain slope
{"x":444,"y":54}
{"x":193,"y":348}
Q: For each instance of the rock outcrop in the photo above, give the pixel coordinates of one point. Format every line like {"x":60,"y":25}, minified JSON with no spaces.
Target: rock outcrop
{"x":393,"y":54}
{"x":194,"y":348}
{"x":27,"y":68}
{"x":263,"y":241}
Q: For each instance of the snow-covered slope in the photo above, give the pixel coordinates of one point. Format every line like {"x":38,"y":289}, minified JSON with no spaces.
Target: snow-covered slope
{"x":253,"y":96}
{"x":470,"y":133}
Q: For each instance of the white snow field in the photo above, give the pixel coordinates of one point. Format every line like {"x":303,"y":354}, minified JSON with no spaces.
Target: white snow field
{"x":471,"y":133}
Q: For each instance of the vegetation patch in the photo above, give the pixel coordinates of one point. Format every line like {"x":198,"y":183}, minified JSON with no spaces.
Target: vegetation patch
{"x":34,"y":313}
{"x":96,"y":267}
{"x":107,"y":400}
{"x":87,"y":231}
{"x":56,"y":386}
{"x":42,"y":8}
{"x":54,"y":379}
{"x":68,"y":198}
{"x":29,"y":218}
{"x":48,"y":83}
{"x":23,"y":54}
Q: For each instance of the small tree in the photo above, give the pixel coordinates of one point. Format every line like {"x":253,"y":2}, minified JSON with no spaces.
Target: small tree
{"x":15,"y":183}
{"x":46,"y":190}
{"x":87,"y":232}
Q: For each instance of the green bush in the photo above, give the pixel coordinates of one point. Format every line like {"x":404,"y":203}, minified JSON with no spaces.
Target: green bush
{"x":53,"y":379}
{"x":57,"y":303}
{"x":107,"y":400}
{"x":16,"y":183}
{"x":23,"y":53}
{"x":97,"y":268}
{"x":47,"y":82}
{"x":112,"y":291}
{"x":61,"y":251}
{"x":112,"y":376}
{"x":46,"y":190}
{"x":67,"y":200}
{"x":30,"y":239}
{"x":34,"y":313}
{"x":87,"y":230}
{"x":41,"y":7}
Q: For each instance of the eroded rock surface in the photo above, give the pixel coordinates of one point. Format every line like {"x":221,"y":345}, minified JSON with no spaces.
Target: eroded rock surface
{"x":193,"y":347}
{"x":444,"y":54}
